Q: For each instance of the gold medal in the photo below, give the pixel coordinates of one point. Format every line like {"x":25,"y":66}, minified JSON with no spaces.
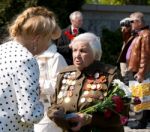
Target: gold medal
{"x":88,"y":86}
{"x":99,"y":86}
{"x":72,"y":87}
{"x":85,"y":92}
{"x":69,"y":93}
{"x":60,"y":95}
{"x":93,"y":86}
{"x":73,"y":82}
{"x":67,"y":100}
{"x":96,"y":75}
{"x":105,"y":94}
{"x":64,"y":93}
{"x":64,"y":81}
{"x":63,"y":87}
{"x":104,"y":87}
{"x":89,"y":100}
{"x":82,"y":100}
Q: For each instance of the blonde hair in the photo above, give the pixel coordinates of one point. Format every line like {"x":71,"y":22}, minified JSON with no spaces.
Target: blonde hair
{"x":35,"y":21}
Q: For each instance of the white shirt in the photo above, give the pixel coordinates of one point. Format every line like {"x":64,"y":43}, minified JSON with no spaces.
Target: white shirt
{"x":19,"y":89}
{"x":50,"y":63}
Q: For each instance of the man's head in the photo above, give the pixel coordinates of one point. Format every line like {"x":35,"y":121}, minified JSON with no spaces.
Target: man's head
{"x":138,"y":20}
{"x":76,"y":19}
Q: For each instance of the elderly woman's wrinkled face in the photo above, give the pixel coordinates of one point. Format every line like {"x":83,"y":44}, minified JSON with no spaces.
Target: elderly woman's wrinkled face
{"x":82,"y":55}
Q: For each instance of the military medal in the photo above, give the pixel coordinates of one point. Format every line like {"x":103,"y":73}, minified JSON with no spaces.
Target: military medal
{"x":105,"y":94}
{"x":82,"y":100}
{"x":64,"y":93}
{"x":69,"y":93}
{"x":102,"y":79}
{"x":67,"y":100}
{"x":60,"y":95}
{"x":88,"y":86}
{"x":85,"y":92}
{"x":72,"y":87}
{"x":89,"y":100}
{"x":64,"y":81}
{"x":93,"y":86}
{"x":96,"y":75}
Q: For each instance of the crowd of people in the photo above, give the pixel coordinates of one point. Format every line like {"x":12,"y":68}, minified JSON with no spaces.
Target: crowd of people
{"x":49,"y":76}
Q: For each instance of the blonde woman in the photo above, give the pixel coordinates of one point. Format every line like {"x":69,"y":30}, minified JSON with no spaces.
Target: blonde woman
{"x":30,"y":34}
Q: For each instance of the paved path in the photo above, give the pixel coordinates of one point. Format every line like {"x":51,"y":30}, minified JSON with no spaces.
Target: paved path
{"x":127,"y":129}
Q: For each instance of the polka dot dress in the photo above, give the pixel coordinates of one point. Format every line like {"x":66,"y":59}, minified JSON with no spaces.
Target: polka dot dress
{"x":19,"y":89}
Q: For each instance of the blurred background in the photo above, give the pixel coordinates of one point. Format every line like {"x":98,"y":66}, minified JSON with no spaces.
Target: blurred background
{"x":101,"y":17}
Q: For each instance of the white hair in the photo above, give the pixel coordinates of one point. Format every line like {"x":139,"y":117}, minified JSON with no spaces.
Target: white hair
{"x":126,"y":19}
{"x":93,"y":41}
{"x":75,"y":14}
{"x":138,"y":16}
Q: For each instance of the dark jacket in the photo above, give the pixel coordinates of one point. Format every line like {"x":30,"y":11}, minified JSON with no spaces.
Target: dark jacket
{"x":63,"y":44}
{"x":73,"y":79}
{"x":126,"y":45}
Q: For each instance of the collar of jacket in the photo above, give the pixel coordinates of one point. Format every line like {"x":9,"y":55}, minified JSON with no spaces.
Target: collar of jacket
{"x":96,"y":66}
{"x":135,"y":32}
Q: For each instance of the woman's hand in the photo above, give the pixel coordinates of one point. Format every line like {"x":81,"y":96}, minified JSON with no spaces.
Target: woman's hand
{"x":81,"y":120}
{"x":59,"y":118}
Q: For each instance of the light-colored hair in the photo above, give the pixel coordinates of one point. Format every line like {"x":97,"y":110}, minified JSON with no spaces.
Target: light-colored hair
{"x":76,"y":14}
{"x":35,"y":21}
{"x":138,"y":16}
{"x":93,"y":41}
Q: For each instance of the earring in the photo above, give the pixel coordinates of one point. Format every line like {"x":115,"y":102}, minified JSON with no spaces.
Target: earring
{"x":34,"y":47}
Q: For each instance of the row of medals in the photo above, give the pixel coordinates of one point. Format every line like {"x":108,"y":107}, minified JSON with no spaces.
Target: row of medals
{"x":68,"y":85}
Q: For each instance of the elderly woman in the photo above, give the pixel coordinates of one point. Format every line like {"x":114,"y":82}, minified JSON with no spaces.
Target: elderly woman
{"x":79,"y":85}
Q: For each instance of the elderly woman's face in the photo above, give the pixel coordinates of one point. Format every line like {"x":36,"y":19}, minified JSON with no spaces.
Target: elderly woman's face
{"x":82,"y":55}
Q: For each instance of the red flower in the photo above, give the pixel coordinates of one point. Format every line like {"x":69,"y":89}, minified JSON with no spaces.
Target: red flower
{"x":118,"y":103}
{"x":107,"y":113}
{"x":75,"y":31}
{"x":69,"y":36}
{"x":123,"y":120}
{"x":136,"y":101}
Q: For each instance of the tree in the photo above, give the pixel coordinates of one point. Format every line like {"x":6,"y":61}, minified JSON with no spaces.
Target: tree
{"x":119,"y":2}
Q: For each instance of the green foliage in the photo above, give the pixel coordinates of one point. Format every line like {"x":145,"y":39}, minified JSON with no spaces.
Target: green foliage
{"x":62,"y":9}
{"x":119,"y":2}
{"x":111,"y":45}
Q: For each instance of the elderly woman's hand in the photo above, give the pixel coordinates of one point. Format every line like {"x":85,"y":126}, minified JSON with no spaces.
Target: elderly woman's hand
{"x":56,"y":114}
{"x":81,"y":120}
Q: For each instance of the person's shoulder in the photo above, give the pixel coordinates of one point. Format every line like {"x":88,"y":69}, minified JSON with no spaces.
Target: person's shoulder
{"x":68,"y":28}
{"x":81,"y":30}
{"x":69,"y":68}
{"x":107,"y":68}
{"x":145,"y":32}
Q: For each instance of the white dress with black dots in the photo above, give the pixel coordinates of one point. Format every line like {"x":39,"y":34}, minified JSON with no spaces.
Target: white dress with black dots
{"x":20,"y":107}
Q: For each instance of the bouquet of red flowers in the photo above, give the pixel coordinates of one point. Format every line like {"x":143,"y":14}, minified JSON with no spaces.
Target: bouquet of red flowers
{"x":115,"y":100}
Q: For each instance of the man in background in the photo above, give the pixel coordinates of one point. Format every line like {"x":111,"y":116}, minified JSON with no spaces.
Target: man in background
{"x":137,"y":57}
{"x":127,"y":38}
{"x":76,"y":20}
